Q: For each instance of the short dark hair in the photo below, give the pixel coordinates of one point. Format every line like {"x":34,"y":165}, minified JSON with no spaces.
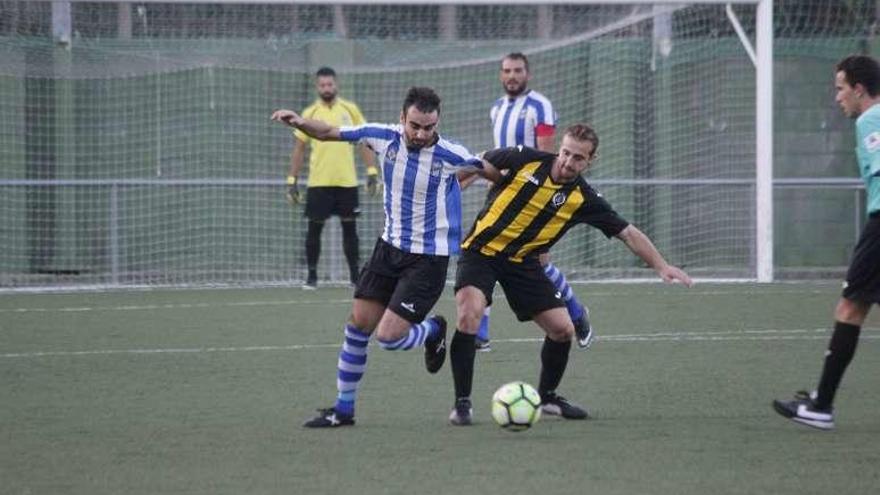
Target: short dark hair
{"x":424,"y":99}
{"x":517,"y":56}
{"x":861,"y":69}
{"x":583,"y":132}
{"x":326,"y":72}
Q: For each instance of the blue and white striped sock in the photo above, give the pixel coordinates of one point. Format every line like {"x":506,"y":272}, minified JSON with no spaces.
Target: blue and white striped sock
{"x":350,"y":368}
{"x":483,"y":332}
{"x":575,"y":309}
{"x":416,"y":337}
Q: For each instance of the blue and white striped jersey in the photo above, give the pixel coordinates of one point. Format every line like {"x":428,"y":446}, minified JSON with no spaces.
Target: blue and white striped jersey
{"x":422,"y":197}
{"x":514,"y":119}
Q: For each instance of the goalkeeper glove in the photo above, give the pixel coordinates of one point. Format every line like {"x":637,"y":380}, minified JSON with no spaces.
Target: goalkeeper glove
{"x":372,"y":181}
{"x":293,"y":195}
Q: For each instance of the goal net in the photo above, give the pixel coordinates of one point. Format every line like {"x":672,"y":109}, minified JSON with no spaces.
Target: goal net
{"x":137,"y":150}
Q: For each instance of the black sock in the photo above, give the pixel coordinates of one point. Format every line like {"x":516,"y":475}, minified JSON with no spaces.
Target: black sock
{"x":313,"y":249}
{"x":554,"y":359}
{"x":840,"y":352}
{"x":350,"y":247}
{"x":461,"y":355}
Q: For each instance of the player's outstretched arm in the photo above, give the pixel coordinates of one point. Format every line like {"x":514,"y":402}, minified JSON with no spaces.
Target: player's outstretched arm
{"x":489,"y":172}
{"x":314,"y":128}
{"x":466,"y":178}
{"x":642,"y":246}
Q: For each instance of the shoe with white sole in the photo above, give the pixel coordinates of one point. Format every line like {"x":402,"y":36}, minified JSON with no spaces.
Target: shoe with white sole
{"x":803,"y":410}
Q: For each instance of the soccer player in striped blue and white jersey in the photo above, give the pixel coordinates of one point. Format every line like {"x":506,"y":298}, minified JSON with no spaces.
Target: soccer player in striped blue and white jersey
{"x":406,"y":272}
{"x":525,"y":117}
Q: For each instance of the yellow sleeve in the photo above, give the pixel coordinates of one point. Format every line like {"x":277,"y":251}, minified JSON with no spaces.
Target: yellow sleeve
{"x":357,"y":118}
{"x":298,"y":134}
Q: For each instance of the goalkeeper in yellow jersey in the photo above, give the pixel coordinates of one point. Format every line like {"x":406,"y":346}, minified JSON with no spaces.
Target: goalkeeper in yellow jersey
{"x":332,"y":181}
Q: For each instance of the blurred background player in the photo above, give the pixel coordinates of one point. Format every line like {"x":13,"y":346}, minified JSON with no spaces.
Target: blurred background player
{"x":332,"y":182}
{"x":525,"y":117}
{"x":406,"y":273}
{"x":857,"y":81}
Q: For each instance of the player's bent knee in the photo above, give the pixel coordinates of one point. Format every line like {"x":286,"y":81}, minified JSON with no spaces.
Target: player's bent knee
{"x":470,"y":305}
{"x":544,"y":259}
{"x":852,"y":312}
{"x":390,"y":326}
{"x":365,"y":314}
{"x":468,"y":324}
{"x":390,"y":332}
{"x":468,"y":320}
{"x":562,"y":336}
{"x":560,"y":333}
{"x":361,"y":323}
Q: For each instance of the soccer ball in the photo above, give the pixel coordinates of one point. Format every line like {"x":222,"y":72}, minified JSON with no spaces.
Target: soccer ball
{"x":516,"y":406}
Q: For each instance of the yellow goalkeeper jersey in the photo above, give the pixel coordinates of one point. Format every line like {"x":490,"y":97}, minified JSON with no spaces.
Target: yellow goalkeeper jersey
{"x":331,"y":162}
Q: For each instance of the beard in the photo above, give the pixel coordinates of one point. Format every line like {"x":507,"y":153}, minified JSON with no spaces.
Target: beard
{"x":516,"y":90}
{"x":327,"y":97}
{"x":417,"y":145}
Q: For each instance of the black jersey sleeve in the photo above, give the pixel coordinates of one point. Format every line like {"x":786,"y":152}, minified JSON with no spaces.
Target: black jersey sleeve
{"x":515,"y":157}
{"x":598,"y":212}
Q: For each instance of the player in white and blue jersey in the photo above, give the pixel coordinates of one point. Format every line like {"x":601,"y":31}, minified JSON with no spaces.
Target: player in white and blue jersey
{"x":525,"y":117}
{"x":857,"y":81}
{"x":406,"y":273}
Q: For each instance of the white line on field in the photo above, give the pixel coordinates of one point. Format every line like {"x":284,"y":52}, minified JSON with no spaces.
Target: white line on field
{"x":586,"y":295}
{"x":747,"y":335}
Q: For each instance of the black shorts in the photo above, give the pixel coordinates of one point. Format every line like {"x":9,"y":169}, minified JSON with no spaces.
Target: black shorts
{"x":322,"y":202}
{"x":407,"y":284}
{"x":863,"y":277}
{"x":528,"y":289}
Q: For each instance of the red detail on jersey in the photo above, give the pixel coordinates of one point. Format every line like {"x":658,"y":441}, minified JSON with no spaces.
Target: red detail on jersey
{"x":544,"y":130}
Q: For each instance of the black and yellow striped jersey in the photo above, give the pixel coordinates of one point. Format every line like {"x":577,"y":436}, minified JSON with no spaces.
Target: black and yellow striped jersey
{"x":526,"y":212}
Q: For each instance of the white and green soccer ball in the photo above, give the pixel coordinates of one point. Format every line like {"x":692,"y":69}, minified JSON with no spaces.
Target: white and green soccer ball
{"x":516,"y":406}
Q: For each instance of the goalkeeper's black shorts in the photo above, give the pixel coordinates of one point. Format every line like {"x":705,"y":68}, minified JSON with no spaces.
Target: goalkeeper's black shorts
{"x":528,"y":289}
{"x":323,"y":202}
{"x":863,"y":277}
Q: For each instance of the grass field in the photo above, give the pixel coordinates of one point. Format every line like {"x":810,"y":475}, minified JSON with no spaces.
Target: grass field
{"x":205,"y":391}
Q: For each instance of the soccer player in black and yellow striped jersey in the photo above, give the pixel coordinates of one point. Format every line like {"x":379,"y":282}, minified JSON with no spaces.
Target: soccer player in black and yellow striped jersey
{"x":332,"y":184}
{"x":525,"y":117}
{"x":527,"y":211}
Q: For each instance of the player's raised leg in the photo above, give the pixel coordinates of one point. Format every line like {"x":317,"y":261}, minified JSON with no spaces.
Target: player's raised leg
{"x":579,"y":313}
{"x":405,"y":324}
{"x":481,"y":342}
{"x":396,"y":334}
